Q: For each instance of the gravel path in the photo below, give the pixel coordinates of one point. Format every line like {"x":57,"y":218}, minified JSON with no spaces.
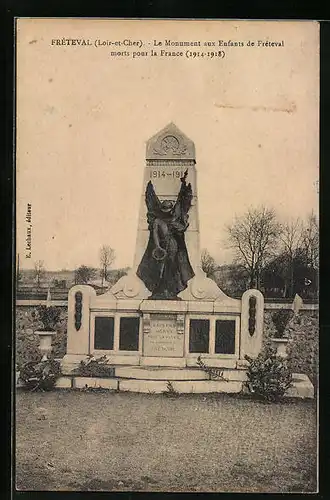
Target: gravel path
{"x":84,"y":441}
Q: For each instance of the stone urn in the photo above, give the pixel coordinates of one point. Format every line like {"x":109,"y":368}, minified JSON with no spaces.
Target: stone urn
{"x":45,"y":339}
{"x":281,"y":319}
{"x":280,"y":344}
{"x":48,"y":316}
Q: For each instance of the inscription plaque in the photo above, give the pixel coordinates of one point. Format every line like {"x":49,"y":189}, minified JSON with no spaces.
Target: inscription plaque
{"x":163,"y":339}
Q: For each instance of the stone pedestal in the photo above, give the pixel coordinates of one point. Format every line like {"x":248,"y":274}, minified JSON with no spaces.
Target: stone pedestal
{"x":161,"y":338}
{"x":163,"y":332}
{"x":280,"y":344}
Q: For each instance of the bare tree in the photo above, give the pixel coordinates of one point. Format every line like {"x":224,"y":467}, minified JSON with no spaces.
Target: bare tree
{"x":291,"y":238}
{"x":39,"y":272}
{"x":107,"y":257}
{"x":84,"y":275}
{"x":254,"y":237}
{"x":208,"y":263}
{"x":232,"y":279}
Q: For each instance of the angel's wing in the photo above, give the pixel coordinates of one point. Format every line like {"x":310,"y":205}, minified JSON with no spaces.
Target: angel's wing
{"x":152,"y":200}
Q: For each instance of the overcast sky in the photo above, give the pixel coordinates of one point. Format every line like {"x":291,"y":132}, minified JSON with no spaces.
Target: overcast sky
{"x":84,"y":118}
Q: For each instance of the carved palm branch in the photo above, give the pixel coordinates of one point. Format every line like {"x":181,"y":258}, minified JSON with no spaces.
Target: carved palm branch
{"x":183,"y":202}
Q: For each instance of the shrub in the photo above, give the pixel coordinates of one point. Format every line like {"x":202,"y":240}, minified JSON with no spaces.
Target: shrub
{"x":95,"y":367}
{"x":40,"y":375}
{"x":49,"y":317}
{"x":269,"y":376}
{"x":59,"y":344}
{"x":281,"y":319}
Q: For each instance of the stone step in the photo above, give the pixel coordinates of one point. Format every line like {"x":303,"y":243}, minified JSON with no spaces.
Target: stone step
{"x":153,"y":373}
{"x":302,"y":386}
{"x":181,"y":386}
{"x":149,"y":386}
{"x":95,"y":383}
{"x":189,"y":374}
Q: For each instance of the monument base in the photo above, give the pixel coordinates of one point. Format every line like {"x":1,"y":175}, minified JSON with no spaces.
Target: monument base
{"x":183,"y":380}
{"x":152,"y":375}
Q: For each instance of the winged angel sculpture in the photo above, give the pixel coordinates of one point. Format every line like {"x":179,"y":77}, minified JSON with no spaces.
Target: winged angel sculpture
{"x":165,"y":268}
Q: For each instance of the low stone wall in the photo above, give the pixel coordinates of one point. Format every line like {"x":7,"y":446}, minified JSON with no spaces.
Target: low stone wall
{"x":303,"y":330}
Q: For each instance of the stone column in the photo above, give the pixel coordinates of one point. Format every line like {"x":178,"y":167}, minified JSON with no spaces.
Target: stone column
{"x":252,"y":320}
{"x":79,"y":300}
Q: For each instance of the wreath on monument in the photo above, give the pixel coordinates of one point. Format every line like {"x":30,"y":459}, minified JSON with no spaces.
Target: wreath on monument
{"x":159,"y":253}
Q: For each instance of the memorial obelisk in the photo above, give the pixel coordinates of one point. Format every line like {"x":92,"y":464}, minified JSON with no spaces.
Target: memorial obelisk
{"x":170,"y":173}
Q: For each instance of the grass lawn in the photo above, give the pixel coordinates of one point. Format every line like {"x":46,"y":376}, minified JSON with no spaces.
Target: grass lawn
{"x":85,"y":441}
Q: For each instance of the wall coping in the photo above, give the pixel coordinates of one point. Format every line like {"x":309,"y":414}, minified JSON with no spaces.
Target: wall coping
{"x":37,"y":302}
{"x":288,"y":305}
{"x":267,"y":305}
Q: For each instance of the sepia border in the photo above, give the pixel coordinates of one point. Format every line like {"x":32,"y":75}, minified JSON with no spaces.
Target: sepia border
{"x":9,"y":200}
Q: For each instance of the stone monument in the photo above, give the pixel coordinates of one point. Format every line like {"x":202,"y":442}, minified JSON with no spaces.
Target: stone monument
{"x":165,"y":312}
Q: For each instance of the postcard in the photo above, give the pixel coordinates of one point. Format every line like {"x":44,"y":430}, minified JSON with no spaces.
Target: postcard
{"x":167,"y":261}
